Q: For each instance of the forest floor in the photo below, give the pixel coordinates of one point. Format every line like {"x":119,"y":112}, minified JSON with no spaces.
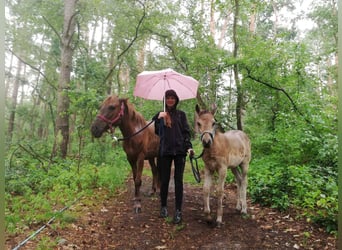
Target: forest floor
{"x":107,"y":221}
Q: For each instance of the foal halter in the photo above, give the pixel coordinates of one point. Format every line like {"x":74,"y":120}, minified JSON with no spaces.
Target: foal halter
{"x":115,"y":119}
{"x":211,"y":133}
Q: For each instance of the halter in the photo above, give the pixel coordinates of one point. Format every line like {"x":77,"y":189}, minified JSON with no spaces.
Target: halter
{"x":115,"y":119}
{"x":195,"y":170}
{"x":211,"y":133}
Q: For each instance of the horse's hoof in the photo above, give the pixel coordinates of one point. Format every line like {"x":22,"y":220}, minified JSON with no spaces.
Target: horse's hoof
{"x":209,"y":220}
{"x":151,"y":193}
{"x":219,"y":224}
{"x":137,"y":210}
{"x":245,"y":216}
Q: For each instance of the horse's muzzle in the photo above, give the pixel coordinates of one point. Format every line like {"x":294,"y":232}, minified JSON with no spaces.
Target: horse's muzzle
{"x":96,"y":131}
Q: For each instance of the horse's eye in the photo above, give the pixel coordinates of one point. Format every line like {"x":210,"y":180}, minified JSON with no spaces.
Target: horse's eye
{"x":214,"y":123}
{"x":111,"y":107}
{"x":198,"y":125}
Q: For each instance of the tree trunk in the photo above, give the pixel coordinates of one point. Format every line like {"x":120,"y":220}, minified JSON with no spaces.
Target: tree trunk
{"x":252,"y":20}
{"x":9,"y":77}
{"x":14,"y":101}
{"x":224,"y":29}
{"x":212,"y":19}
{"x":239,"y":101}
{"x":276,"y":16}
{"x":63,"y":102}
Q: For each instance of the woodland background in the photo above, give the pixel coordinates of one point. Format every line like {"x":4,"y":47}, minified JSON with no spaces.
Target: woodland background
{"x":270,"y":73}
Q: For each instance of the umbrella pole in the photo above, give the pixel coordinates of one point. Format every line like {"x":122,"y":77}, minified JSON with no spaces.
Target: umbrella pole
{"x":164,"y":102}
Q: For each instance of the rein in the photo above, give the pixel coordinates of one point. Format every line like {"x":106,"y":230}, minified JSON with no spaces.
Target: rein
{"x":128,"y":137}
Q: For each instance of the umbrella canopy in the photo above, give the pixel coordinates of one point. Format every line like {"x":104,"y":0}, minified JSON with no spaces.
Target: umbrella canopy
{"x":152,"y":85}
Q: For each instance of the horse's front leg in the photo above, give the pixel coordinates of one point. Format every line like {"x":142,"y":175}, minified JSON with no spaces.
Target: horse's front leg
{"x":220,"y":193}
{"x":155,"y":174}
{"x":206,"y":194}
{"x":137,"y":167}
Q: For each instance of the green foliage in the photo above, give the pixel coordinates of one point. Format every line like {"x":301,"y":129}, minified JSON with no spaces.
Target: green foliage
{"x":296,"y":165}
{"x":34,"y":194}
{"x":294,"y":143}
{"x":300,"y":186}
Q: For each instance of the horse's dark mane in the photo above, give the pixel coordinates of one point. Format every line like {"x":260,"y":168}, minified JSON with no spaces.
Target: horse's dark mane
{"x":133,"y":113}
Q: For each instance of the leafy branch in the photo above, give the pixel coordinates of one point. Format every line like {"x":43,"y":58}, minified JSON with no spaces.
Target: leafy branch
{"x":294,"y":105}
{"x":33,"y":67}
{"x":130,"y":44}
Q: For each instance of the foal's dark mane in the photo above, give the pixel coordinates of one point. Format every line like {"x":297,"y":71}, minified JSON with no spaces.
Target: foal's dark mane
{"x":202,"y":112}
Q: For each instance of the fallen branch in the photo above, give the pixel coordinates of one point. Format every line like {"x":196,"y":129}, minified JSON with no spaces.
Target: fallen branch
{"x":44,"y":226}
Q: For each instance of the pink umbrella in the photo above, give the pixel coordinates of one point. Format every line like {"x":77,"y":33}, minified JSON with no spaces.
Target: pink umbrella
{"x":152,"y":85}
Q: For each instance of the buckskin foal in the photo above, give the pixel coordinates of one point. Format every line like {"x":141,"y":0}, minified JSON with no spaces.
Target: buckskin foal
{"x":221,"y":151}
{"x":139,"y":146}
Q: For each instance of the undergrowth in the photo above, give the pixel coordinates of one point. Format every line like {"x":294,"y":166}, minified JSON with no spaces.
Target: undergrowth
{"x":35,"y":194}
{"x":297,"y":186}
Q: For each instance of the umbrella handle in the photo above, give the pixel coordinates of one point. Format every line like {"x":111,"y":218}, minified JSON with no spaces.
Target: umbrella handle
{"x":161,"y":127}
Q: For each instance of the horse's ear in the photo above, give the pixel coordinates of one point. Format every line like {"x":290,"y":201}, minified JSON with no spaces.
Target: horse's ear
{"x":123,"y":100}
{"x":213,"y":108}
{"x":197,"y":108}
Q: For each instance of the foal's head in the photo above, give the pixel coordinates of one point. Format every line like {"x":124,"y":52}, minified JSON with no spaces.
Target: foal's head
{"x":109,"y":116}
{"x":206,"y":125}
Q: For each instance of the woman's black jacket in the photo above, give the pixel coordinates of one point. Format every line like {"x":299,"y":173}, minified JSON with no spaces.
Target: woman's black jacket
{"x":174,"y":140}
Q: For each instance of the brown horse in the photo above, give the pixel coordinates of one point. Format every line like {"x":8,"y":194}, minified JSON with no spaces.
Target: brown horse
{"x":139,"y":146}
{"x":221,"y":151}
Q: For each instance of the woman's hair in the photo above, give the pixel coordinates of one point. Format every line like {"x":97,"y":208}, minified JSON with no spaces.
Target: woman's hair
{"x":173,"y":93}
{"x":168,"y":93}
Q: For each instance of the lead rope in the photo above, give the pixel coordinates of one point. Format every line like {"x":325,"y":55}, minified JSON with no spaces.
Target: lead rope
{"x":195,"y":169}
{"x":130,"y":136}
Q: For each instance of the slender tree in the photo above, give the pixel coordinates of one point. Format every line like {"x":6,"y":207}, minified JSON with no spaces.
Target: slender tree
{"x":239,"y":101}
{"x":14,"y":101}
{"x":63,"y":102}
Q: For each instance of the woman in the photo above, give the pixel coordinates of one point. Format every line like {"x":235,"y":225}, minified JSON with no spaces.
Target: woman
{"x":174,"y":132}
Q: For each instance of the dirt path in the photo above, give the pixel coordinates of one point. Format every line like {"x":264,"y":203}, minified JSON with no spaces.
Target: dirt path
{"x":111,"y":224}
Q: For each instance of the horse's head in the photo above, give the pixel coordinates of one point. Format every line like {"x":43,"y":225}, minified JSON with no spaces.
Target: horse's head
{"x":206,"y":125}
{"x":111,"y":111}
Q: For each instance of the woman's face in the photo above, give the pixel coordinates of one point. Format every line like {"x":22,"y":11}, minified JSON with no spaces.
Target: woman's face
{"x":170,"y":101}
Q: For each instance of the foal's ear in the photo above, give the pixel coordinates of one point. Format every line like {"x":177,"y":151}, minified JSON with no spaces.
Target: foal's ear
{"x":213,"y":108}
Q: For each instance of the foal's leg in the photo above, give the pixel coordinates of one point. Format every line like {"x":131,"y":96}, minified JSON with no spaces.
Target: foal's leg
{"x":206,"y":193}
{"x":243,"y":188}
{"x":220,"y":192}
{"x":238,"y":179}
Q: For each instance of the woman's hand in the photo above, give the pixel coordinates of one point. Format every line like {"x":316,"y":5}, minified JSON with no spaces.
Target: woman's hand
{"x":162,"y":115}
{"x":191,"y":152}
